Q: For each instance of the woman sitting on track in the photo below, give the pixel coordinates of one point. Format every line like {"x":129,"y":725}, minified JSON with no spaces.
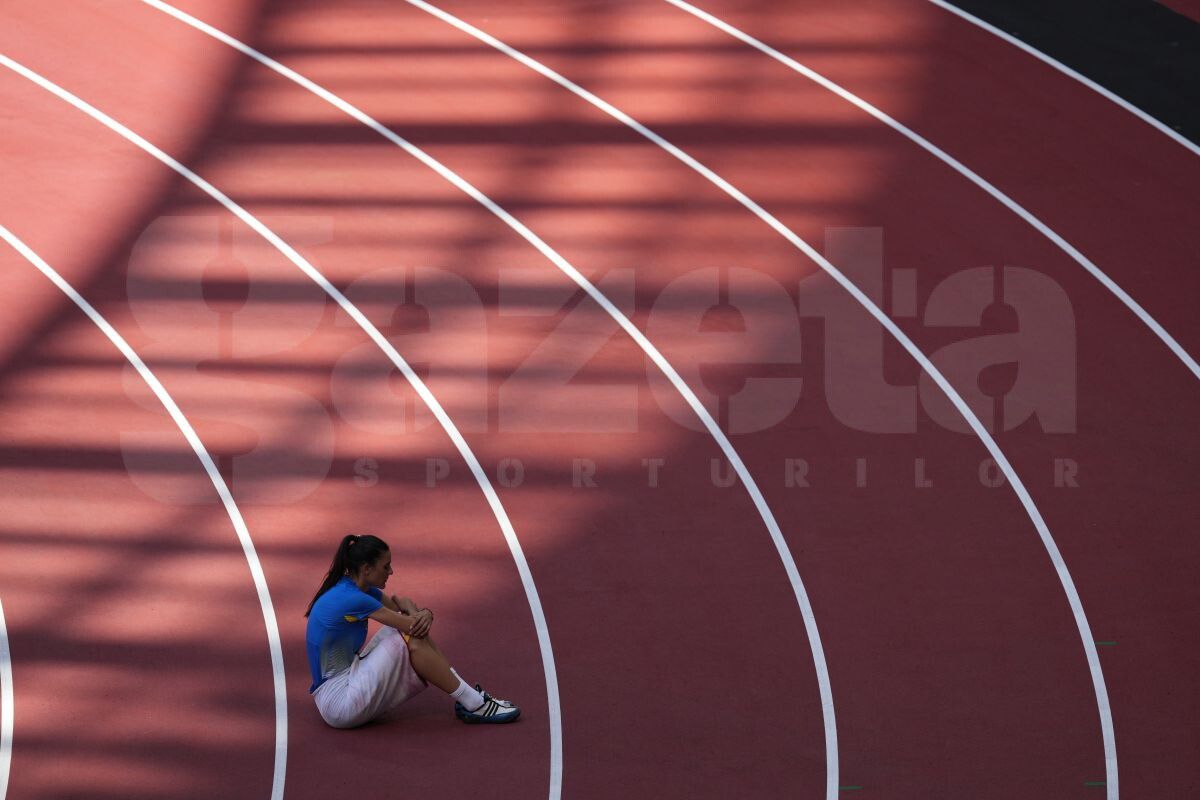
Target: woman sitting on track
{"x":352,"y":684}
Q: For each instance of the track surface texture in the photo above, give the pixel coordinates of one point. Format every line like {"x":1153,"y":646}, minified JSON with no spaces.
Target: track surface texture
{"x":642,"y":609}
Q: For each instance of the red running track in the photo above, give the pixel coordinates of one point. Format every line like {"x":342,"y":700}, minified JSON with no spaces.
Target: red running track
{"x":682,"y":660}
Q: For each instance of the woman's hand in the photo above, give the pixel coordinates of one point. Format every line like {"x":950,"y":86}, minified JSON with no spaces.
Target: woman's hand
{"x":423,"y":622}
{"x":415,"y":624}
{"x":404,"y":605}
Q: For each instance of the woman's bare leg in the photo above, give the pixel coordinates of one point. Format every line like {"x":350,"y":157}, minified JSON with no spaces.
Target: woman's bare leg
{"x":431,"y":665}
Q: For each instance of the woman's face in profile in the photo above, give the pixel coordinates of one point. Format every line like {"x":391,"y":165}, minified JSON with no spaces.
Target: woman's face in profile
{"x":377,"y":573}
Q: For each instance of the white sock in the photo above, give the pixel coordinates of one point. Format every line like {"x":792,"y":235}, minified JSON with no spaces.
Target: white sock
{"x":470,"y":699}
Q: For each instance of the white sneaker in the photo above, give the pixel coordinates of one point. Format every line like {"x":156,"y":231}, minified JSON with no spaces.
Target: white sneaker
{"x":492,"y":711}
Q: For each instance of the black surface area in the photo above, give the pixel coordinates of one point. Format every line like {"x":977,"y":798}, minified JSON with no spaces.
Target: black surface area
{"x":1138,"y":49}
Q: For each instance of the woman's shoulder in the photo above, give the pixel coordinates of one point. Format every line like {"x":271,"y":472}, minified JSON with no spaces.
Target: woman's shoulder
{"x":344,"y":592}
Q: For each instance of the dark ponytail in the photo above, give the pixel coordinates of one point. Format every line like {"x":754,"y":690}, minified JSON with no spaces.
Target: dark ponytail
{"x":352,"y":554}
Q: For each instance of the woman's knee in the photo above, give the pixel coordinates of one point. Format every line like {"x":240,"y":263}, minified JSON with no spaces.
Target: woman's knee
{"x":423,"y":649}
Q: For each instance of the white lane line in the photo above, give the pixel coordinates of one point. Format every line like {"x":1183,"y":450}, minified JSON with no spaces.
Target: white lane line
{"x":510,"y":535}
{"x":1070,"y":73}
{"x":760,"y":503}
{"x":235,"y":515}
{"x":1031,"y":509}
{"x":961,"y":169}
{"x":6,"y":703}
{"x":1109,"y":739}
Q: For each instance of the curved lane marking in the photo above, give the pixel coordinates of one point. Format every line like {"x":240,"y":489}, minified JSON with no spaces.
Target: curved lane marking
{"x":1110,"y":754}
{"x":414,"y":380}
{"x":6,"y":699}
{"x":961,"y":169}
{"x":1035,"y":516}
{"x":760,"y":503}
{"x":1070,"y":73}
{"x":218,"y":482}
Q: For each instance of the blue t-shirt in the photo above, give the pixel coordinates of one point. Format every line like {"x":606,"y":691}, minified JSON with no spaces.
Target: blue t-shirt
{"x":337,"y":628}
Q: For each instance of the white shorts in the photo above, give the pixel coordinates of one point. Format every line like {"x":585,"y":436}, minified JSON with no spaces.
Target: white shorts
{"x":380,"y":678}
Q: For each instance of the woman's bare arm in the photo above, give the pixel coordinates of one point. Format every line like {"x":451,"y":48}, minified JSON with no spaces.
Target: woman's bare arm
{"x":411,"y":620}
{"x":404,"y":605}
{"x":394,"y":619}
